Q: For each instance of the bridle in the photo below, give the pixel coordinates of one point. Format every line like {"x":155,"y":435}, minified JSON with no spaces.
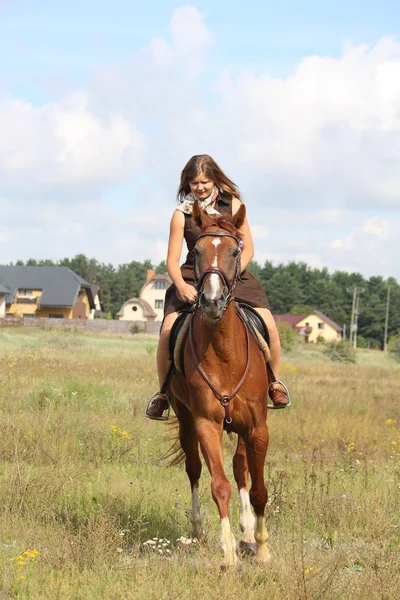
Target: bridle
{"x":230,"y":285}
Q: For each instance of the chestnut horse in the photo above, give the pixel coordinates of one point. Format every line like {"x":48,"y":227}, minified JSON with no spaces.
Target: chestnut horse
{"x":224,"y":386}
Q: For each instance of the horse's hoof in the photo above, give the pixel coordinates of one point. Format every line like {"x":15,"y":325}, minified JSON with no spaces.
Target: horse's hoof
{"x":236,"y":569}
{"x":263,"y":556}
{"x":247,"y":548}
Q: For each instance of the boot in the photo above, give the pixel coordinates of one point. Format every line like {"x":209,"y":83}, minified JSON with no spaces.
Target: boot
{"x":279,"y":395}
{"x":156,"y":407}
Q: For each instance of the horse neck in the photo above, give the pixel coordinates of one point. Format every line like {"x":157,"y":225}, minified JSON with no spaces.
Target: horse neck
{"x":227,"y":335}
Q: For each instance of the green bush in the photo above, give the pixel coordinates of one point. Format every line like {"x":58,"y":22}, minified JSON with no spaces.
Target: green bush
{"x":394,"y":346}
{"x":289,"y":338}
{"x":340,"y":352}
{"x":361,"y":342}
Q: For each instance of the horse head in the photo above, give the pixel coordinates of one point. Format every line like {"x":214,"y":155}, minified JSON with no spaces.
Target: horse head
{"x":217,"y":260}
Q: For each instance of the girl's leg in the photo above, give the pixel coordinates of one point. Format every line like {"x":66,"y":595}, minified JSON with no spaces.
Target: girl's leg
{"x":277,"y":393}
{"x":274,"y":341}
{"x":159,"y":402}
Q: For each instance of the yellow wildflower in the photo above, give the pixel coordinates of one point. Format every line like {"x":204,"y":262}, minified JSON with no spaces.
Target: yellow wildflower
{"x":308,"y":570}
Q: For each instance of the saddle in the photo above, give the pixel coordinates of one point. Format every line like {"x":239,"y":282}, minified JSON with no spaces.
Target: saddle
{"x":249,"y":317}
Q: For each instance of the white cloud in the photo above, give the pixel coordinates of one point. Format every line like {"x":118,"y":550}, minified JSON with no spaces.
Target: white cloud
{"x":317,"y":153}
{"x":377,"y":227}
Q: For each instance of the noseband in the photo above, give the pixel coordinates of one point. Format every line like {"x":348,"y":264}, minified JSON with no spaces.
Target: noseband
{"x":230,"y":285}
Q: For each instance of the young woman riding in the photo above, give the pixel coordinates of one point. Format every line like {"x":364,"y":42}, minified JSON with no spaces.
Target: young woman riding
{"x":203,"y":180}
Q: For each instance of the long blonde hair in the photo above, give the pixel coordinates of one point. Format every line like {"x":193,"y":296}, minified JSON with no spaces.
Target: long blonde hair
{"x":203,"y":163}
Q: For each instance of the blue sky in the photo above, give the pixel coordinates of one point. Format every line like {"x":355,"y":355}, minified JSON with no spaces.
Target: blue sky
{"x":102,"y":103}
{"x":46,"y":47}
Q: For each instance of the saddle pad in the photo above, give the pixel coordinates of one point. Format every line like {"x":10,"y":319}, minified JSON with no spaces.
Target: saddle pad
{"x":257,"y":327}
{"x":177,"y":337}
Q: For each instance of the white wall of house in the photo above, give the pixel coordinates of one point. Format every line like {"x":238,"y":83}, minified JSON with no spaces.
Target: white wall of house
{"x":2,"y":305}
{"x":132,"y":311}
{"x":319,"y":329}
{"x":154,"y":293}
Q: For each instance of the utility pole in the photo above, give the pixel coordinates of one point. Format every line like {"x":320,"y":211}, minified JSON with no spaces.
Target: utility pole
{"x":353,"y":307}
{"x":356,"y":313}
{"x":386,"y":321}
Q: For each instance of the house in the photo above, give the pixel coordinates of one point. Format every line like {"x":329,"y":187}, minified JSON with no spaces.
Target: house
{"x":3,"y":294}
{"x":55,"y":292}
{"x":314,"y":327}
{"x":149,"y":306}
{"x":98,"y":311}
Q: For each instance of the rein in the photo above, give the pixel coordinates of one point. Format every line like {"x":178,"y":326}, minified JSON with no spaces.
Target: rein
{"x":230,"y":285}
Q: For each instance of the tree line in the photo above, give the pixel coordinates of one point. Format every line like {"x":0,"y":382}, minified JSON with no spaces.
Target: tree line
{"x":294,"y":288}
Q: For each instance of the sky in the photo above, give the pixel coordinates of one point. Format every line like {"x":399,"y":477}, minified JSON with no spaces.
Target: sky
{"x":102,"y":104}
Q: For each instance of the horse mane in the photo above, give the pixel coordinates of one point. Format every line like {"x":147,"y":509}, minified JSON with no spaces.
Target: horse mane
{"x":224,"y":222}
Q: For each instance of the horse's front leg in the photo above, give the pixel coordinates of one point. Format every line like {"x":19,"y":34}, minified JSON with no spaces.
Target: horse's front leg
{"x":210,"y":438}
{"x":257,"y":446}
{"x":190,"y":446}
{"x":246,"y":518}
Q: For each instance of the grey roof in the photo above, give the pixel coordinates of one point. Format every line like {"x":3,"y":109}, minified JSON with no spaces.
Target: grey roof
{"x":60,"y":285}
{"x":3,"y":290}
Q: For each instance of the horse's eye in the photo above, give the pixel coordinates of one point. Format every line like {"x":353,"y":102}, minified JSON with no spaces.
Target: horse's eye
{"x":236,"y":252}
{"x":195,"y":252}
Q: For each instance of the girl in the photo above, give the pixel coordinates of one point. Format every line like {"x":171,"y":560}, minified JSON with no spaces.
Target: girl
{"x":203,"y":180}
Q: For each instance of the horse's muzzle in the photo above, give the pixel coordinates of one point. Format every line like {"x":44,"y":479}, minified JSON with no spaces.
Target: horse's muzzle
{"x":212,"y":308}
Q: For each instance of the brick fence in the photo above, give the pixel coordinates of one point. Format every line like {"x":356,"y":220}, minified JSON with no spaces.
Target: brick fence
{"x":85,"y":325}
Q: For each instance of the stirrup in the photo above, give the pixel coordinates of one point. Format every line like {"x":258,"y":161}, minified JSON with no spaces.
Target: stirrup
{"x":272,"y":406}
{"x":162,"y":418}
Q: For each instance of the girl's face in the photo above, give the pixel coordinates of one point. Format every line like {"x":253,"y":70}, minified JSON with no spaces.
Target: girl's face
{"x":201,"y":186}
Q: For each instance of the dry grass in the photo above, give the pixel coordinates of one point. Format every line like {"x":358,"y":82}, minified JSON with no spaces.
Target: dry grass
{"x":83,"y":487}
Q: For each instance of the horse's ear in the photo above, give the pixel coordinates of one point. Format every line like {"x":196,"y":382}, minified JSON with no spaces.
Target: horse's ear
{"x":197,"y":214}
{"x":239,"y":217}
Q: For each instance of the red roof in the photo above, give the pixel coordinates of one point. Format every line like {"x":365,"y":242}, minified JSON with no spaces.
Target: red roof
{"x":291,"y":319}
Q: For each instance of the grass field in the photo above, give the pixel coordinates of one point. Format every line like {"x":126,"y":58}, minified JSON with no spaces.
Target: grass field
{"x":83,"y":486}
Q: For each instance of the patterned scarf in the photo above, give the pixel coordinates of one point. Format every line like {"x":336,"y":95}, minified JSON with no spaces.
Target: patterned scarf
{"x":186,"y":205}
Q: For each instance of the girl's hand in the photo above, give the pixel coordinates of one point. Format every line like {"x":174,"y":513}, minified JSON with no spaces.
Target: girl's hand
{"x":186,"y":292}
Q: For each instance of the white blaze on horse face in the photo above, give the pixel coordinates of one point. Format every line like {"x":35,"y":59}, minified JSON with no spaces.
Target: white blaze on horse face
{"x":215,"y":280}
{"x":246,"y":518}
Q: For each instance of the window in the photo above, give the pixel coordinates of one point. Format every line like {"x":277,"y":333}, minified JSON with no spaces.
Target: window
{"x":28,"y":316}
{"x":56,"y":316}
{"x":159,"y":304}
{"x":25,"y":292}
{"x":159,"y":285}
{"x":321,"y":325}
{"x":134,"y":308}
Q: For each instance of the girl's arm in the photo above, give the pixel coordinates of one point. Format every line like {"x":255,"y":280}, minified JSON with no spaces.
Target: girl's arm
{"x":185,"y":291}
{"x":248,"y":248}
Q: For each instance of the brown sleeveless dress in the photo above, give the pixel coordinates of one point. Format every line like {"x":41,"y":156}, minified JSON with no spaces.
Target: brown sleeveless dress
{"x":248,"y":291}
